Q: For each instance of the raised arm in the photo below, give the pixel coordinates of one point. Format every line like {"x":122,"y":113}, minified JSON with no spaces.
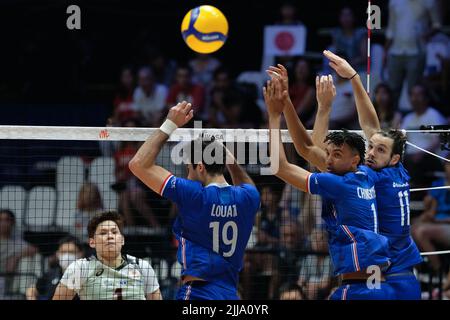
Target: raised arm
{"x":292,"y":174}
{"x":143,"y":163}
{"x":302,"y":140}
{"x":238,"y":174}
{"x":325,"y":94}
{"x":367,"y":116}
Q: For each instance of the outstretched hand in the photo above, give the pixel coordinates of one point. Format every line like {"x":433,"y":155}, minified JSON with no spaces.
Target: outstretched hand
{"x":281,"y":73}
{"x":274,"y":96}
{"x":341,"y":66}
{"x":325,"y":91}
{"x":181,"y":114}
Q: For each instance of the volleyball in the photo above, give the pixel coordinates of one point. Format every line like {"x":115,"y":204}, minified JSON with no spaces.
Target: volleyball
{"x":204,"y":29}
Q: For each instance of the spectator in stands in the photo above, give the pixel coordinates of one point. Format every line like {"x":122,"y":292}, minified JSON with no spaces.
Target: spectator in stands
{"x":222,"y":86}
{"x":432,"y":230}
{"x":387,"y":112}
{"x":184,"y":89}
{"x":289,"y":252}
{"x":89,"y":203}
{"x":291,"y":291}
{"x":69,"y":250}
{"x":416,"y":161}
{"x":133,"y":203}
{"x":302,"y":92}
{"x":288,"y":17}
{"x":407,"y":32}
{"x":260,"y":263}
{"x":12,"y":247}
{"x":123,"y":99}
{"x":240,"y":108}
{"x":149,"y":97}
{"x":203,"y":67}
{"x":347,"y":39}
{"x":316,"y":268}
{"x":163,"y":68}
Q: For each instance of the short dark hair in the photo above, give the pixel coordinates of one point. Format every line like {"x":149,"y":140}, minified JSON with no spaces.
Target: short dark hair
{"x":104,"y":216}
{"x":71,"y":239}
{"x":398,"y":147}
{"x":355,"y":141}
{"x":198,"y":145}
{"x":10,"y":214}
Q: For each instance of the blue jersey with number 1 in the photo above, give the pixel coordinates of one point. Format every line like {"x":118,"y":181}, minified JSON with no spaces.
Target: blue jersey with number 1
{"x":213,"y":226}
{"x":350,"y":216}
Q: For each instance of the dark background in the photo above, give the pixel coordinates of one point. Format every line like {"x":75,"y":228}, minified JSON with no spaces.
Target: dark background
{"x":50,"y":75}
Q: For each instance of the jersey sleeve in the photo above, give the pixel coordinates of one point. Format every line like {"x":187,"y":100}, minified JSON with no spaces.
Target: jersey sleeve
{"x":253,"y":196}
{"x":326,"y":184}
{"x":179,"y":190}
{"x":75,"y":275}
{"x":376,"y":176}
{"x":151,"y":283}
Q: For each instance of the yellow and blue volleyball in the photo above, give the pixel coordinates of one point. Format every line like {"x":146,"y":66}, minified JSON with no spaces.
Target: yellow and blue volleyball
{"x":204,"y":29}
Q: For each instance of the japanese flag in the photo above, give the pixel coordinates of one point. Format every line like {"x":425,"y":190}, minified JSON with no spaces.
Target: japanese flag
{"x":284,"y":40}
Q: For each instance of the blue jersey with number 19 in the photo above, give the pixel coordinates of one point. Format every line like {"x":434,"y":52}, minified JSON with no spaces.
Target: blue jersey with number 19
{"x":213,"y":226}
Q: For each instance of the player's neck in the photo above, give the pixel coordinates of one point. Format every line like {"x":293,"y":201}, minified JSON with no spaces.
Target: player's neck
{"x":219,"y":179}
{"x":112,"y":263}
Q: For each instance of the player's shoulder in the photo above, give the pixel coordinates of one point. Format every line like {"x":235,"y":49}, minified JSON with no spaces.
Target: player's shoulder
{"x":247,"y":188}
{"x":396,"y":173}
{"x":178,"y":182}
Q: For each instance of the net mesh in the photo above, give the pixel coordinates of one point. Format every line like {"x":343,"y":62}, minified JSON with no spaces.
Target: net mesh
{"x":55,"y":179}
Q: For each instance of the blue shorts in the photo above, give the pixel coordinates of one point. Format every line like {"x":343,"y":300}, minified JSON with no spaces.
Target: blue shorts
{"x":360,"y":291}
{"x":405,"y":285}
{"x":202,"y":290}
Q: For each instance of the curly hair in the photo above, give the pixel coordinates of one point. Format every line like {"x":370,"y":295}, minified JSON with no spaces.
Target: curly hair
{"x":355,"y":141}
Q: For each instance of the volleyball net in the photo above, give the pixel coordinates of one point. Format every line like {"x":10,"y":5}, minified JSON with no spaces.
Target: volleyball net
{"x":54,"y":179}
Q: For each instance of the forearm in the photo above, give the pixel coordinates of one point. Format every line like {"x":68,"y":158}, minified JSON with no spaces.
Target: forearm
{"x":289,"y":173}
{"x":147,"y":153}
{"x":367,"y":116}
{"x":275,"y":144}
{"x":238,"y":174}
{"x":303,"y":142}
{"x":300,"y":137}
{"x":320,"y":129}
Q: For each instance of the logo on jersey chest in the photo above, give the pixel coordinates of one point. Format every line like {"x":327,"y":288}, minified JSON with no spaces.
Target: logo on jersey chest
{"x":223,"y":211}
{"x":99,"y":272}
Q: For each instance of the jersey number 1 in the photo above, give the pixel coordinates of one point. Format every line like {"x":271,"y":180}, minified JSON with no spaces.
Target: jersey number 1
{"x":226,"y":241}
{"x":402,"y":195}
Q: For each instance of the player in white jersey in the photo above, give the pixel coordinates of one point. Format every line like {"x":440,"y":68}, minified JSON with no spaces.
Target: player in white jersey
{"x":108,"y":275}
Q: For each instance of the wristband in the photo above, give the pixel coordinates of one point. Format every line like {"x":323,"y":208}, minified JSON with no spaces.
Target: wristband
{"x":168,"y":127}
{"x":353,"y":76}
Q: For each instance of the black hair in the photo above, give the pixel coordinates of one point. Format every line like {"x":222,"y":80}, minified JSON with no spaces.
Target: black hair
{"x":398,"y":147}
{"x":215,"y":151}
{"x":71,"y":239}
{"x":355,"y":141}
{"x":104,"y":216}
{"x":11,"y":214}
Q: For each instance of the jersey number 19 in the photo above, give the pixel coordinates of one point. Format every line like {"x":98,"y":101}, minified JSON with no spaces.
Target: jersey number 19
{"x":225,"y":239}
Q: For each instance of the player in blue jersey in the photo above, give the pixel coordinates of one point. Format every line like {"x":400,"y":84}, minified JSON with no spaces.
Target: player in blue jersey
{"x":215,"y":219}
{"x":355,"y":247}
{"x":384,"y":155}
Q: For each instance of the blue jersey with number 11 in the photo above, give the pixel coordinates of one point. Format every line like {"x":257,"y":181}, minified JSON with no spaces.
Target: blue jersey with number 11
{"x":392,"y":189}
